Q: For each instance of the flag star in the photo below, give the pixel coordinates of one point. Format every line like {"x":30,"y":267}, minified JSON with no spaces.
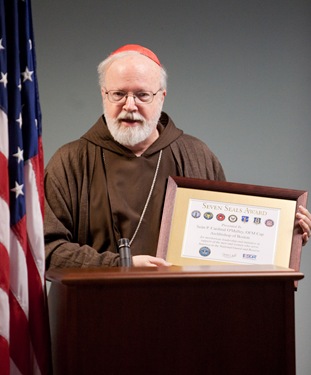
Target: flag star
{"x":19,"y":155}
{"x":36,"y":123}
{"x":20,"y":120}
{"x":30,"y":44}
{"x":1,"y":45}
{"x":20,"y":85}
{"x":27,"y":74}
{"x":18,"y":190}
{"x":4,"y":79}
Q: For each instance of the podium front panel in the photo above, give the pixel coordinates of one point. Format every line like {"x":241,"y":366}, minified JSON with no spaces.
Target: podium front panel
{"x":195,"y":320}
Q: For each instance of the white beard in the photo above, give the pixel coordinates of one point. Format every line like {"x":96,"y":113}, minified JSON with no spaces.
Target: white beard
{"x":131,"y":135}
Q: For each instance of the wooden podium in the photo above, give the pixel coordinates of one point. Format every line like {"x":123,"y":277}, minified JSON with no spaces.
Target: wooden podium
{"x":179,"y":320}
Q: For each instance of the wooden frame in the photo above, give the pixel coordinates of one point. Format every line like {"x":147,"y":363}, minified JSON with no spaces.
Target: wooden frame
{"x":183,"y":192}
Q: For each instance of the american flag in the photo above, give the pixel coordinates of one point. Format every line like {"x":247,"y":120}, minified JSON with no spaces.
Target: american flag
{"x":24,"y":334}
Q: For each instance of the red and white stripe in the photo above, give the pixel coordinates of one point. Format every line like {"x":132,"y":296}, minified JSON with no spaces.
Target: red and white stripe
{"x":4,"y":247}
{"x":23,"y":318}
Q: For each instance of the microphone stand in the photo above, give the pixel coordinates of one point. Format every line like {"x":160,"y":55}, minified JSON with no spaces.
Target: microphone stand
{"x":125,"y":252}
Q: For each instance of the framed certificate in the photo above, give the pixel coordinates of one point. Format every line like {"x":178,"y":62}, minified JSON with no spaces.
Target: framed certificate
{"x":211,"y":222}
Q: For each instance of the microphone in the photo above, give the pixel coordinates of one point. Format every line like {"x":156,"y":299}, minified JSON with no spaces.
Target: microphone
{"x":125,"y":252}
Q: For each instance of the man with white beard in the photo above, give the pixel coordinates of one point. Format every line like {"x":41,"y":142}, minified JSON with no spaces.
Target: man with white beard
{"x":110,"y":184}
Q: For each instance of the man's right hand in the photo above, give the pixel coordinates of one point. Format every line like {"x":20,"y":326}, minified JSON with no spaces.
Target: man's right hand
{"x":149,"y":261}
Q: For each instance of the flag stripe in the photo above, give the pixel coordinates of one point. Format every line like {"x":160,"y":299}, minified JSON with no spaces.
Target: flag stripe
{"x":18,"y":267}
{"x":4,"y":191}
{"x":19,"y":337}
{"x":4,"y":354}
{"x":4,"y":246}
{"x":4,"y":313}
{"x":35,"y":258}
{"x":34,"y":214}
{"x":5,"y":275}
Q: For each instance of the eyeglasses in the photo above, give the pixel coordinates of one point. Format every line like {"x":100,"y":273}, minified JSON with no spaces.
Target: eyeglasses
{"x":140,"y":97}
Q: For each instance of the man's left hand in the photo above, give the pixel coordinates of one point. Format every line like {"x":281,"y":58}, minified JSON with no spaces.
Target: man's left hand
{"x":304,"y":217}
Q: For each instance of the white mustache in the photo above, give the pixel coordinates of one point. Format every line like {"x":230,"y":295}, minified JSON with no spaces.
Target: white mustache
{"x":130,"y":116}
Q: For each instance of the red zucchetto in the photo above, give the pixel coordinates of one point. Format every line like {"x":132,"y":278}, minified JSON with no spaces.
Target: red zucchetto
{"x":137,"y":48}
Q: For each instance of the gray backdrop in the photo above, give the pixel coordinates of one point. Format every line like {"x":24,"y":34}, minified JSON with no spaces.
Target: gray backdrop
{"x":239,"y":79}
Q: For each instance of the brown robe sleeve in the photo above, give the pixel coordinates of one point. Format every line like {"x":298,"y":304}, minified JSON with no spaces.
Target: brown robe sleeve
{"x":66,"y":225}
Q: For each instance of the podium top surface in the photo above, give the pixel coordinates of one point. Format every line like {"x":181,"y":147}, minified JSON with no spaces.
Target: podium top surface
{"x":117,"y":274}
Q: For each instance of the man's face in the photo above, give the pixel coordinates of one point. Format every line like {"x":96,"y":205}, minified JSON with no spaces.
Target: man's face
{"x":130,"y":122}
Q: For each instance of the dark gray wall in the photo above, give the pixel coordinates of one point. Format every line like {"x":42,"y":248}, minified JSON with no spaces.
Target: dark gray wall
{"x":239,"y":78}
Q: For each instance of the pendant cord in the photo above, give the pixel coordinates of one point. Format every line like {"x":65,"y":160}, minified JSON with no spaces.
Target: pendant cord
{"x":149,"y":195}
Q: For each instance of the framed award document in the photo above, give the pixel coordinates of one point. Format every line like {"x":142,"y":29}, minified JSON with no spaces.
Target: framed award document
{"x":211,"y":222}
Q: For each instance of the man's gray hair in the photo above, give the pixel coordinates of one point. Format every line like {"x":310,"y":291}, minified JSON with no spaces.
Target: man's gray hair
{"x":104,"y":65}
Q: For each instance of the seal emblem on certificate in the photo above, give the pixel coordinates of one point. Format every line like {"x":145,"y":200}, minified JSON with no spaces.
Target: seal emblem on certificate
{"x":239,"y":235}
